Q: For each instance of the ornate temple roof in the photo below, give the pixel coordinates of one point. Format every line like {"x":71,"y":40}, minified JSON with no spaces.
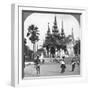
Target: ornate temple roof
{"x":57,"y":39}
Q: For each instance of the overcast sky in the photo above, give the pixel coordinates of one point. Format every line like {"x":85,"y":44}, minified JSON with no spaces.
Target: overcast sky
{"x":41,"y":20}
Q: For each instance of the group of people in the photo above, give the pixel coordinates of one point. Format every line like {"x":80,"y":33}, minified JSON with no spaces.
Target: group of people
{"x":73,"y":64}
{"x":62,"y":64}
{"x":54,"y":53}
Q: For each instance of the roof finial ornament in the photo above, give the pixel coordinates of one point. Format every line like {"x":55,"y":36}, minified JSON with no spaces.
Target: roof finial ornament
{"x":55,"y":22}
{"x":62,"y":23}
{"x":72,"y":35}
{"x":62,"y":29}
{"x":48,"y":29}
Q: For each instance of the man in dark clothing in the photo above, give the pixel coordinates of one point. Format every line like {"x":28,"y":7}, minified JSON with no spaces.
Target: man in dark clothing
{"x":63,"y":66}
{"x":52,"y":50}
{"x":73,"y":63}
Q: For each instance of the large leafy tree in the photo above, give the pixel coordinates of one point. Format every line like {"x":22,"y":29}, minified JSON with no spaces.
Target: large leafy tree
{"x":27,"y":52}
{"x":33,"y":35}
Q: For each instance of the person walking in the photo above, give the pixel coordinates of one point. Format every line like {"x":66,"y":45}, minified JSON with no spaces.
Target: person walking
{"x":73,"y":63}
{"x":63,"y":65}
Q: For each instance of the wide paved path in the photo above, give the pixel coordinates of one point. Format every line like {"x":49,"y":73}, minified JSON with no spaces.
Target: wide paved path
{"x":50,"y":70}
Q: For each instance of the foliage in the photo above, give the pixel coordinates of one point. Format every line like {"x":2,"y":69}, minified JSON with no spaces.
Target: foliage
{"x":27,"y":52}
{"x":77,"y":48}
{"x":33,"y":33}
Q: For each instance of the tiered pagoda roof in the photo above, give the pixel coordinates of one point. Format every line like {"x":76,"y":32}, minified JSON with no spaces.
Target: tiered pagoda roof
{"x":55,"y":38}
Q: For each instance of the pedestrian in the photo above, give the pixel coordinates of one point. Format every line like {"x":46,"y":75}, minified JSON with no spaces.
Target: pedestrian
{"x":78,"y":60}
{"x":73,"y":63}
{"x":63,"y":65}
{"x":37,"y":63}
{"x":43,"y":61}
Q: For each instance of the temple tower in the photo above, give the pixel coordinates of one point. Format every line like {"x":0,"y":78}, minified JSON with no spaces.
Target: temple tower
{"x":55,"y":27}
{"x":62,"y":31}
{"x":48,"y":31}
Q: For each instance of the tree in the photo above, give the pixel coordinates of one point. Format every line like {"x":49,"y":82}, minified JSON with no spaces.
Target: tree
{"x":27,"y":52}
{"x":33,"y":35}
{"x":77,"y":48}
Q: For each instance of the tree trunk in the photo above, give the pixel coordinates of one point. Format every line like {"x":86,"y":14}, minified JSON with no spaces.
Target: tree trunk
{"x":34,"y":50}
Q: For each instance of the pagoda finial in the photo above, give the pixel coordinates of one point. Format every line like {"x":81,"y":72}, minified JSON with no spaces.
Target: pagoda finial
{"x":72,"y":35}
{"x":55,"y":27}
{"x":55,"y":22}
{"x":62,"y":24}
{"x":72,"y":32}
{"x":48,"y":26}
{"x":48,"y":32}
{"x":62,"y":30}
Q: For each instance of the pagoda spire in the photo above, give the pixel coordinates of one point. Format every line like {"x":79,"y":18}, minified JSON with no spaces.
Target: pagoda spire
{"x":55,"y":22}
{"x":48,"y":32}
{"x":55,"y":27}
{"x":62,"y":30}
{"x":62,"y":24}
{"x":72,"y":36}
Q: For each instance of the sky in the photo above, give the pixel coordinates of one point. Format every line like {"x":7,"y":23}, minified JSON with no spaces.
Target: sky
{"x":41,"y":20}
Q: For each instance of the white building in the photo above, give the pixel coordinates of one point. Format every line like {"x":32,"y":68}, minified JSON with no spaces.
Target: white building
{"x":71,"y":44}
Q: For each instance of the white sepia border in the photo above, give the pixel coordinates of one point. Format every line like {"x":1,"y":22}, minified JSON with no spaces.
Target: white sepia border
{"x":16,"y":52}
